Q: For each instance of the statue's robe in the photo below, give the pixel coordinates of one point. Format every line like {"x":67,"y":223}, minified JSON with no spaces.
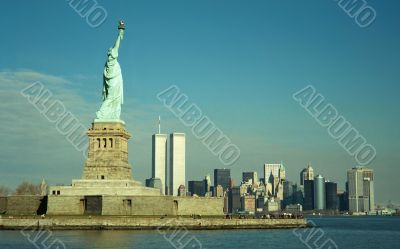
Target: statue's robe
{"x":112,"y":88}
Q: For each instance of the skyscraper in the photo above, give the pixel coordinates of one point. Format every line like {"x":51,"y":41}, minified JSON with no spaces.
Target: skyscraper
{"x":234,"y":200}
{"x":247,"y":176}
{"x":177,"y":162}
{"x":248,"y":203}
{"x":319,"y":193}
{"x":274,"y":176}
{"x":288,"y":193}
{"x":222,"y":177}
{"x":218,"y":191}
{"x":207,"y":179}
{"x":197,"y":188}
{"x":332,"y":199}
{"x":306,"y":174}
{"x":298,"y":194}
{"x":235,"y":194}
{"x":159,"y":159}
{"x":182,"y":190}
{"x":343,"y":201}
{"x":361,"y":189}
{"x":308,"y":194}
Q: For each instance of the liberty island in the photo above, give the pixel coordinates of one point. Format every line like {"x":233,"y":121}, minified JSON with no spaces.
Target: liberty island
{"x":107,"y":189}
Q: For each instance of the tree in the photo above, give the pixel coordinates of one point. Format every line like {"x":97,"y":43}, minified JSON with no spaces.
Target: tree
{"x":27,"y":188}
{"x":4,"y":191}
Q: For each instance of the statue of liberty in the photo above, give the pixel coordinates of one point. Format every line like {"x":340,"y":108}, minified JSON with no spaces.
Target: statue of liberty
{"x":113,"y":96}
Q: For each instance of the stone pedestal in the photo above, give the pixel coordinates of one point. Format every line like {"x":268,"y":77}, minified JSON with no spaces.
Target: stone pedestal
{"x":106,"y":171}
{"x":108,"y":152}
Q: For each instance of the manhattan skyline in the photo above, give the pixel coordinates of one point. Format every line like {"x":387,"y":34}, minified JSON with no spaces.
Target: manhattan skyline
{"x":239,"y":63}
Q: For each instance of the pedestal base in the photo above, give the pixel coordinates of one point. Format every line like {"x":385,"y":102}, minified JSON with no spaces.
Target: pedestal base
{"x":104,"y":188}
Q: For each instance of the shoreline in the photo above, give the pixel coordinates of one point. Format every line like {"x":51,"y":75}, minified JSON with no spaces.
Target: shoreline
{"x":144,"y":223}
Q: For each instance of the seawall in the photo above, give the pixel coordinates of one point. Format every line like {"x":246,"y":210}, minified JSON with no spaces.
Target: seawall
{"x":143,"y":223}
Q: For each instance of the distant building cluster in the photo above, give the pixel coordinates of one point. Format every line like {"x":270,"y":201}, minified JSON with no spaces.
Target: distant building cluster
{"x":358,"y":197}
{"x":272,"y":192}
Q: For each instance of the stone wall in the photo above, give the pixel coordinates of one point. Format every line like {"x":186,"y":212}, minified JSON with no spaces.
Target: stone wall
{"x":115,"y":222}
{"x":161,"y":205}
{"x":200,"y":205}
{"x":65,"y":205}
{"x":23,"y":205}
{"x":3,"y":204}
{"x":139,"y":205}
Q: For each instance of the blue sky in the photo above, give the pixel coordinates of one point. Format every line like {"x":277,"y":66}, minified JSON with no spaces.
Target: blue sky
{"x":239,"y":61}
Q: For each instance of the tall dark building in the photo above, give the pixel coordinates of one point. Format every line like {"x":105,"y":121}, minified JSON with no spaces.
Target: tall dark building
{"x":222,"y":177}
{"x":344,"y":199}
{"x":260,"y":202}
{"x":234,"y":200}
{"x":287,"y":193}
{"x":343,"y":202}
{"x":308,"y":195}
{"x":197,"y":187}
{"x":298,"y":195}
{"x":331,"y":196}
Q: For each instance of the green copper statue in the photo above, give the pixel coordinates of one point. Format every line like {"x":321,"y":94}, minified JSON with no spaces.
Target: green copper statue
{"x":113,"y":97}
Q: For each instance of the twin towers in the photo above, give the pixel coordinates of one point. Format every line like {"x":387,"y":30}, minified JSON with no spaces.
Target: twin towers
{"x":177,"y":158}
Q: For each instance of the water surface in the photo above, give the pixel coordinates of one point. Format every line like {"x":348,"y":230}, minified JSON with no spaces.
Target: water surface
{"x":345,"y":232}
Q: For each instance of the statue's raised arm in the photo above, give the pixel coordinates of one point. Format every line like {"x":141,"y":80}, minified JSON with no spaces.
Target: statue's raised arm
{"x":112,"y":82}
{"x":113,"y":52}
